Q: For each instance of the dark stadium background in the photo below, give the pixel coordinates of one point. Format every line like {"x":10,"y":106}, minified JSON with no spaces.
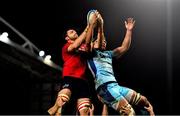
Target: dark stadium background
{"x":151,"y":66}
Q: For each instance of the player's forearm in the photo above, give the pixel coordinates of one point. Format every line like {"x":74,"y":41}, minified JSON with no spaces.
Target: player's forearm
{"x":89,"y":34}
{"x":100,"y":36}
{"x":127,"y":40}
{"x":105,"y":110}
{"x":88,"y":39}
{"x":80,"y":39}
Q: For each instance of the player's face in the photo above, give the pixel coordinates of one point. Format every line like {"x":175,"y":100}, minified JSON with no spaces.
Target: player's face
{"x":72,"y":34}
{"x":103,"y":45}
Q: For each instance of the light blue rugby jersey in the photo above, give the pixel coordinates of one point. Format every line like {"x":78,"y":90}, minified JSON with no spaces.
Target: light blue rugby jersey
{"x":101,"y":67}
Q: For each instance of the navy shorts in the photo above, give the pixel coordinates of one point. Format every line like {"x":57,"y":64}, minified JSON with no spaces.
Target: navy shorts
{"x":78,"y":87}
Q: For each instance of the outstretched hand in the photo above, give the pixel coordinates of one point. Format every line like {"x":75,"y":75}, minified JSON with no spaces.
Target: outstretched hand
{"x":94,"y":18}
{"x":150,"y":110}
{"x":91,"y":110}
{"x":100,"y":19}
{"x":129,"y":24}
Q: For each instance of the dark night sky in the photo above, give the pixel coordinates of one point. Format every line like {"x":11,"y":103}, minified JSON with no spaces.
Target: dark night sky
{"x":144,"y":67}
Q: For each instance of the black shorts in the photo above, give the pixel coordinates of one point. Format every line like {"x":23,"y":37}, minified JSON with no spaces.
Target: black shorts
{"x":78,"y":87}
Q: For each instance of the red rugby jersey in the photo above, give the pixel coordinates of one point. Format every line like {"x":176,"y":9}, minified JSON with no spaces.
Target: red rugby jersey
{"x":74,"y":65}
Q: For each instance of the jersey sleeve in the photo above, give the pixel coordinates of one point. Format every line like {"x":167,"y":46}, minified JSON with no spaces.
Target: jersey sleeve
{"x":110,"y":52}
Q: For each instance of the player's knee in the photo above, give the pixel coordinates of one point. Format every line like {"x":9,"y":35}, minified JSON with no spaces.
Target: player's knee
{"x":83,"y":106}
{"x":62,"y":99}
{"x":136,"y":97}
{"x":84,"y":111}
{"x":144,"y":101}
{"x":127,"y":110}
{"x":139,"y":100}
{"x":65,"y":94}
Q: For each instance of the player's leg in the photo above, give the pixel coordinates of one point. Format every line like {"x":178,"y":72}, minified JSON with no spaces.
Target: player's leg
{"x":137,"y":99}
{"x":83,"y":105}
{"x":63,"y":97}
{"x":111,"y":95}
{"x":83,"y":94}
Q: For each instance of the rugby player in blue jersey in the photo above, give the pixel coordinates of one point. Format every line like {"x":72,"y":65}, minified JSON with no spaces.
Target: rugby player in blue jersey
{"x":110,"y":92}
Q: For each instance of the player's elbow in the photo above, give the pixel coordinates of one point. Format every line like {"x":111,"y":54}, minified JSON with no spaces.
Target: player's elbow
{"x":123,"y":49}
{"x":120,"y":52}
{"x":72,"y":48}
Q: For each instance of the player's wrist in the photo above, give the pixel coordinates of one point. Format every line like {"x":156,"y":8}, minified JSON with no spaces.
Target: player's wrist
{"x":86,"y":29}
